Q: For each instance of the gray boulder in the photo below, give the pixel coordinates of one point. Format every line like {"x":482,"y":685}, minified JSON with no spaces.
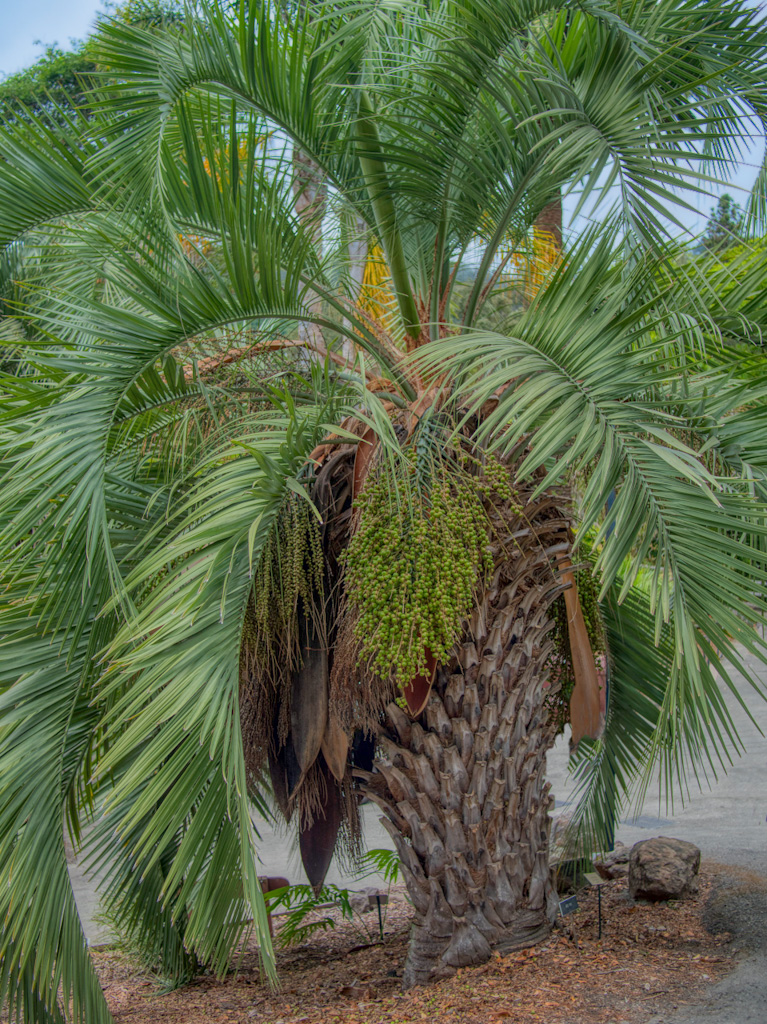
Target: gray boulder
{"x":663,"y":869}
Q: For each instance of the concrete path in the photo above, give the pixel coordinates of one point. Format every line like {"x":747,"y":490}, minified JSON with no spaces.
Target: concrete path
{"x":738,"y":906}
{"x":726,"y":820}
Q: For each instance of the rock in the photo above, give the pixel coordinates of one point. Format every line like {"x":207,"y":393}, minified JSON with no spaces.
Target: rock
{"x":359,"y":902}
{"x":663,"y":869}
{"x":614,"y":864}
{"x":367,"y":899}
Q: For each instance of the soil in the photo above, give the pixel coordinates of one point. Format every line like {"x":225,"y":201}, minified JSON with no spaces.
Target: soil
{"x":651,"y":958}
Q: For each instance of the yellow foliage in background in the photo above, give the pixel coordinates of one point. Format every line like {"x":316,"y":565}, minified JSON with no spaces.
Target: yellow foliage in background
{"x":195,"y":246}
{"x":529,"y":266}
{"x":242,"y":152}
{"x":376,"y":296}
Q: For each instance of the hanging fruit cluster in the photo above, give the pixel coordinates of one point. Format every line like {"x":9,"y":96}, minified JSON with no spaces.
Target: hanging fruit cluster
{"x":414,"y":562}
{"x":289,"y":581}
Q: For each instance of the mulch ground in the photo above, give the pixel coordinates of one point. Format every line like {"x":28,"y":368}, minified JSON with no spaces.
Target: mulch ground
{"x":650,"y":957}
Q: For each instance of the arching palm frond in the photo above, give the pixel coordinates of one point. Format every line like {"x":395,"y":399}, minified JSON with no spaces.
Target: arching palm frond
{"x":607,"y":771}
{"x":590,"y":380}
{"x":175,"y":680}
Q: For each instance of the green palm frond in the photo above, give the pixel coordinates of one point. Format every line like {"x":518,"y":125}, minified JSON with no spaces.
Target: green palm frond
{"x":133,"y":904}
{"x":41,"y":150}
{"x":279,"y":71}
{"x":612,"y":773}
{"x":45,"y":736}
{"x":173,"y":687}
{"x":23,"y":998}
{"x":592,"y":379}
{"x":607,"y":771}
{"x":482,"y":113}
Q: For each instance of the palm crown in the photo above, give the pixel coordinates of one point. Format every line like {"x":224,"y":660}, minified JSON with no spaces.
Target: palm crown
{"x":189,"y":336}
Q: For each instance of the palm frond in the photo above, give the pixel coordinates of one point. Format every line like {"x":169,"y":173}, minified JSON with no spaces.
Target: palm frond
{"x":41,"y":150}
{"x":584,"y":382}
{"x":606,"y":771}
{"x":173,"y":685}
{"x":44,"y":734}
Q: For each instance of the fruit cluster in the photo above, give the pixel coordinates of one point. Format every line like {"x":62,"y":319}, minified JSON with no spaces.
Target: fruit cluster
{"x":414,"y":562}
{"x":291,"y":569}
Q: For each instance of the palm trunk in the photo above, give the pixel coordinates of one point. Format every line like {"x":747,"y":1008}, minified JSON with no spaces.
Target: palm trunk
{"x":550,"y":220}
{"x":463,"y":787}
{"x":310,"y":197}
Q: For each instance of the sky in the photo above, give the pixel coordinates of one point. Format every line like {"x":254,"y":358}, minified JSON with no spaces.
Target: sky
{"x":49,"y":21}
{"x":25,"y":22}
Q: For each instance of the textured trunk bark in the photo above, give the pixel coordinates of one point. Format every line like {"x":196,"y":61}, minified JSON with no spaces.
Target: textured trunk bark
{"x":310,"y":196}
{"x":358,"y":257}
{"x":463,"y":787}
{"x":550,"y":219}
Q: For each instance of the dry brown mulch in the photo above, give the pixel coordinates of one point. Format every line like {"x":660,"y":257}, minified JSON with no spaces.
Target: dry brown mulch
{"x":650,"y":957}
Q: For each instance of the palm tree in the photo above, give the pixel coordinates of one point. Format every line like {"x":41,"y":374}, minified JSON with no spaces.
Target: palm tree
{"x":272,"y":535}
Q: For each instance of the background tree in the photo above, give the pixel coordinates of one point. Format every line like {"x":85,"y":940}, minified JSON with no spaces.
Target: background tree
{"x":725,"y":225}
{"x":204,"y":619}
{"x":60,"y":79}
